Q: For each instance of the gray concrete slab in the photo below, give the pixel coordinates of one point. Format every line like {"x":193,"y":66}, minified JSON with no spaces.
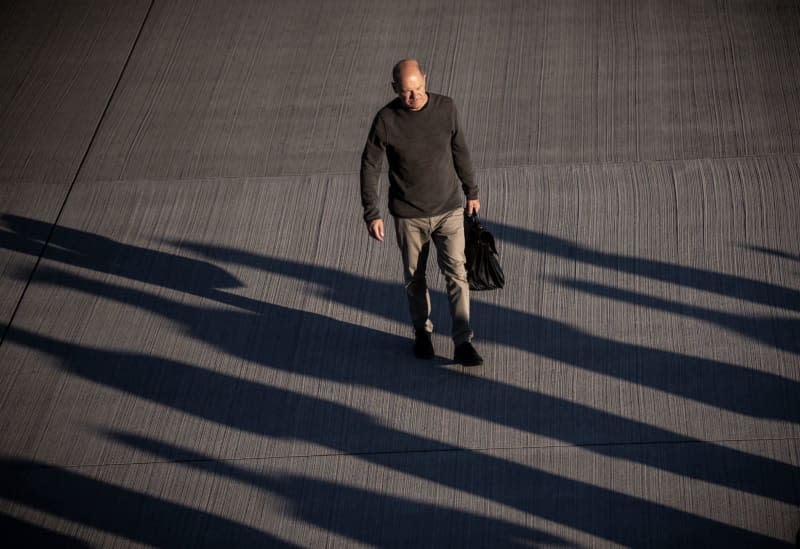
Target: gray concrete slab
{"x":58,"y":67}
{"x":261,"y":89}
{"x":59,"y":64}
{"x":557,"y":496}
{"x":637,"y":313}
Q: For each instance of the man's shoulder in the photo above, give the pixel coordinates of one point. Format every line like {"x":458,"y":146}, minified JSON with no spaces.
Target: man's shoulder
{"x":390,"y":108}
{"x":439,"y":100}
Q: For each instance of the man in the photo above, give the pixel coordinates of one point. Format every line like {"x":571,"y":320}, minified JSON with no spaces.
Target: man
{"x":420,"y":136}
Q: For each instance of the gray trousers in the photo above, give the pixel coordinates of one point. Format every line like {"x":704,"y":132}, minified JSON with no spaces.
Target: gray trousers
{"x":414,"y":238}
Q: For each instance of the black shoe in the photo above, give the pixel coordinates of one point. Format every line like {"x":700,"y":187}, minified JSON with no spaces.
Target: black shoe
{"x":423,"y":346}
{"x":466,"y":355}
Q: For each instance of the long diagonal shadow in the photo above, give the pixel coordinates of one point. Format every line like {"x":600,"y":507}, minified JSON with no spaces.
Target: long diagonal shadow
{"x":275,"y":336}
{"x":17,"y":533}
{"x":377,"y":519}
{"x":724,"y":385}
{"x":779,"y":332}
{"x":106,"y":255}
{"x":268,"y":411}
{"x":132,"y":515}
{"x":700,"y":279}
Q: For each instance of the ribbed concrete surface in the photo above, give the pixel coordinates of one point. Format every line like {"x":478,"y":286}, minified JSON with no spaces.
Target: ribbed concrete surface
{"x":259,"y":89}
{"x":212,"y":353}
{"x":59,"y":64}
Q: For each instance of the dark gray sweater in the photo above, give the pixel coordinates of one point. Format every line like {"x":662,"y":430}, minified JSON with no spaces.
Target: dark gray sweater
{"x":427,"y":156}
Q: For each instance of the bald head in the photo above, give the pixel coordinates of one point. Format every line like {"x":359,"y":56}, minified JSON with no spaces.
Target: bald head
{"x":405,"y":67}
{"x":408,"y":81}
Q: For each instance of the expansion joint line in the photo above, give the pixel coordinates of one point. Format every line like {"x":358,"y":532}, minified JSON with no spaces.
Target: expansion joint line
{"x":411,"y":451}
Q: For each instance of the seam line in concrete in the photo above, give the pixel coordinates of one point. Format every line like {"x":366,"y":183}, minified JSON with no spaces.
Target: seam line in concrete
{"x":406,"y":452}
{"x":77,"y":173}
{"x":355,"y":173}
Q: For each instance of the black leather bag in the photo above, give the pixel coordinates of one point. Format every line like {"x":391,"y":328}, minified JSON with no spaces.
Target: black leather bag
{"x":483,"y":265}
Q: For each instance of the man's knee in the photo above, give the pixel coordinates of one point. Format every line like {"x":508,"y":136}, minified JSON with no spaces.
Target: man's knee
{"x":453,"y":266}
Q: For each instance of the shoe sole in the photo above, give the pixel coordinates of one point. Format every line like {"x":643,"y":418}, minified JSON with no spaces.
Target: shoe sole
{"x":424,"y":355}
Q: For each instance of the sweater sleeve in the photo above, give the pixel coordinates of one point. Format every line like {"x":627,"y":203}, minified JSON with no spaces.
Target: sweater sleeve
{"x":462,"y":161}
{"x":371,"y":164}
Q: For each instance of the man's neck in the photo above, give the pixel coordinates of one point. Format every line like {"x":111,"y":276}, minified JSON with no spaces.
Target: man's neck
{"x":425,"y":104}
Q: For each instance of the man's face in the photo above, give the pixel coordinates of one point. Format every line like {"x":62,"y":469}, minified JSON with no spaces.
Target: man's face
{"x":411,"y":89}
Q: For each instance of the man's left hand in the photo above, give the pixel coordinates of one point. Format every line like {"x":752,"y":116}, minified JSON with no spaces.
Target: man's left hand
{"x":473,"y":206}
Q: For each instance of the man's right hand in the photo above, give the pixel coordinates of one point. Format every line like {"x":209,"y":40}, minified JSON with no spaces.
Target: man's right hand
{"x":376,"y":229}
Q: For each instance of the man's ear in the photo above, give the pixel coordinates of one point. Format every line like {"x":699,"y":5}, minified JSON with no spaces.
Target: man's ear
{"x":394,"y":87}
